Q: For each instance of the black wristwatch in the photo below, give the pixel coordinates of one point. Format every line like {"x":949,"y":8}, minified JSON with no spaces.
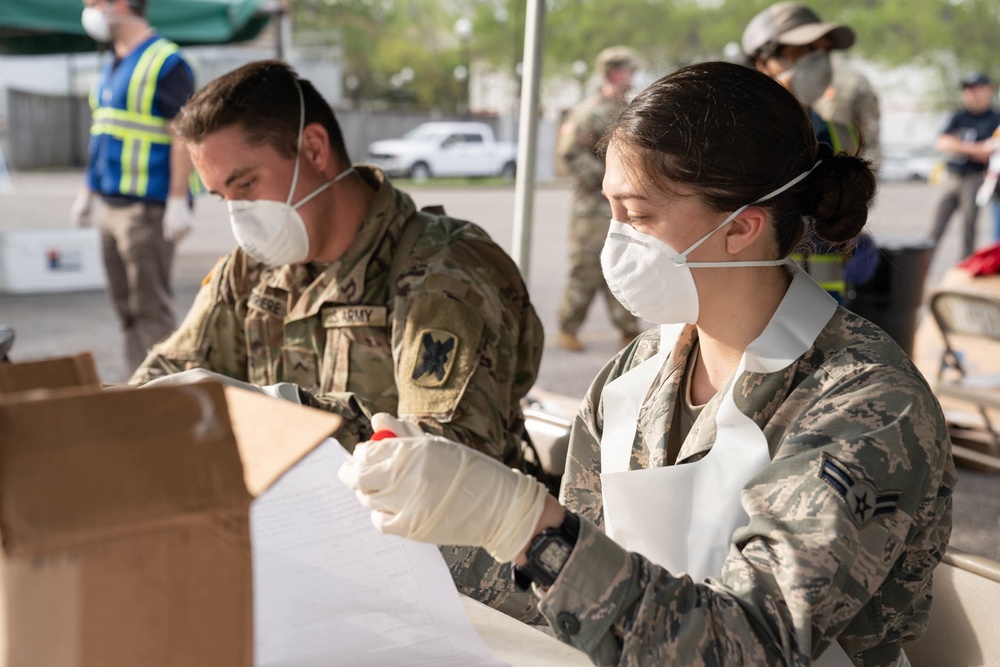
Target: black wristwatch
{"x":548,"y":553}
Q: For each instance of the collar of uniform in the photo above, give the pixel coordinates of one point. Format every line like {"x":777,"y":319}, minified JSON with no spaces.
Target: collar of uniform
{"x":343,"y":281}
{"x":757,"y":395}
{"x":650,"y":450}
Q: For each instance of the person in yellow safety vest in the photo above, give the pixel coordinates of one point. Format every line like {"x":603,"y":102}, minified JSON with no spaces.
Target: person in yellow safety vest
{"x":142,"y":178}
{"x":788,"y":42}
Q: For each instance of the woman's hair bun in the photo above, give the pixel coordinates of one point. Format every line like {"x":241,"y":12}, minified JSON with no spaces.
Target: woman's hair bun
{"x":844,"y":186}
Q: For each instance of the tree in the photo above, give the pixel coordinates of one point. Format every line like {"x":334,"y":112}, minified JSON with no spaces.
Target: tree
{"x":379,"y":38}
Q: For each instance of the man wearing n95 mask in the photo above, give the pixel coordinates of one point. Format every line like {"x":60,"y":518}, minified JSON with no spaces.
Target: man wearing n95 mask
{"x":341,"y":294}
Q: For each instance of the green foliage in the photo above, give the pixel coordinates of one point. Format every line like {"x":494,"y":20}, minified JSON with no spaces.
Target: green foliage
{"x":379,"y":38}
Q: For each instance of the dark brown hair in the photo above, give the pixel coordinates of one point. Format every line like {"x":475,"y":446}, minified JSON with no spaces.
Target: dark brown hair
{"x":138,"y":7}
{"x":261,"y":98}
{"x":734,"y":135}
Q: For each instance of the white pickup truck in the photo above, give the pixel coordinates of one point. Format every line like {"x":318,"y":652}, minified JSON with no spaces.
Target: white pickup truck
{"x":445,"y":149}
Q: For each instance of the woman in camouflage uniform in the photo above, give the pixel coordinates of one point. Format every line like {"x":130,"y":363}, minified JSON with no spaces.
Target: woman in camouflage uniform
{"x":766,"y":478}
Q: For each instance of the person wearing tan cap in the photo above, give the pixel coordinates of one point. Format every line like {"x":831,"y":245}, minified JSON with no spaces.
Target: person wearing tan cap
{"x":584,"y":127}
{"x":790,"y":43}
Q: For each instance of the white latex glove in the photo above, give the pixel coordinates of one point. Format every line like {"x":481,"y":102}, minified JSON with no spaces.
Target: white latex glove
{"x":177,"y":219}
{"x":383,"y":421}
{"x":284,"y":390}
{"x":82,"y":208}
{"x":431,"y":489}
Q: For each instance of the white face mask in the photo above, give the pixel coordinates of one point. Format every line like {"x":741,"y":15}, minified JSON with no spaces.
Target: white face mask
{"x":653,"y":281}
{"x":273,"y":232}
{"x":96,"y":25}
{"x":809,"y":77}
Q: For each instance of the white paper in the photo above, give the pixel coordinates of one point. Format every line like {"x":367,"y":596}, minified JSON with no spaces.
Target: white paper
{"x":329,"y":589}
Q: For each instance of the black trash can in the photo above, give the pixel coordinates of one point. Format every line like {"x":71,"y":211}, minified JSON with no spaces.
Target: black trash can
{"x":891,"y":298}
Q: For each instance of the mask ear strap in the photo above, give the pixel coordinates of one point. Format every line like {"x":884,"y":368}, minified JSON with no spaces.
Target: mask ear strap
{"x":681,"y":258}
{"x":298,"y":145}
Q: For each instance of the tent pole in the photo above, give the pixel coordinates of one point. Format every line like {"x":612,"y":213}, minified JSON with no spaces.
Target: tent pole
{"x":527,"y":150}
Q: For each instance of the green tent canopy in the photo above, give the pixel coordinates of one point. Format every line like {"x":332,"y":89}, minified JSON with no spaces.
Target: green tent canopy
{"x":53,"y":26}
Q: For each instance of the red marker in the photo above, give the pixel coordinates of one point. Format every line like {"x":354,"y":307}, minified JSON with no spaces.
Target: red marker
{"x":382,"y":434}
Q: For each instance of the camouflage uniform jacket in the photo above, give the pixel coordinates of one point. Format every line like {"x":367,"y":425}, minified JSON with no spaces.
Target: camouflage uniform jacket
{"x":814,"y":564}
{"x":579,"y":136}
{"x":453,"y":346}
{"x":850,"y":101}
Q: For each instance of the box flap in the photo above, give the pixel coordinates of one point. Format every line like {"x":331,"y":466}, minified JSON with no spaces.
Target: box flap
{"x":76,"y":462}
{"x":75,"y":371}
{"x":273,"y":435}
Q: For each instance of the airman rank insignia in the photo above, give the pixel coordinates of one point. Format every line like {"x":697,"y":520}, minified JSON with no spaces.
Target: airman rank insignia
{"x":437,"y":354}
{"x":863,"y":500}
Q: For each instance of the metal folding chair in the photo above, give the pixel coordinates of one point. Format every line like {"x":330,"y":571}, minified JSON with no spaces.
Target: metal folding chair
{"x":971,"y":316}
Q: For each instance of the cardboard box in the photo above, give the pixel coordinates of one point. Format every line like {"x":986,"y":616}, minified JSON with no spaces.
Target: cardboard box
{"x":76,"y":371}
{"x":50,"y":260}
{"x":124,"y":521}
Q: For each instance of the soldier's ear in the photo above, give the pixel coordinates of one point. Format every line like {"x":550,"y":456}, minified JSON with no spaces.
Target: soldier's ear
{"x":316,"y":145}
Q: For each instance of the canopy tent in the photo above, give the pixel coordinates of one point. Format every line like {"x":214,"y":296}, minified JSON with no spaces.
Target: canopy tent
{"x":29,"y":27}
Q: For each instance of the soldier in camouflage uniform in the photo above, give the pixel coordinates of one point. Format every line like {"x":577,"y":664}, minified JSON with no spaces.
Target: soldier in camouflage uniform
{"x":852,"y":102}
{"x":578,"y":136}
{"x":822,"y":443}
{"x":411,"y":312}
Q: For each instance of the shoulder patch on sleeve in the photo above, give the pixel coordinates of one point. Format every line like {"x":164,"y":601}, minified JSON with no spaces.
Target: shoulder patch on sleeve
{"x":439,"y":355}
{"x":864,"y":501}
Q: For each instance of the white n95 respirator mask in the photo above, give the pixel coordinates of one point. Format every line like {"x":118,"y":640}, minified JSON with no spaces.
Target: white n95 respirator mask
{"x":653,"y":281}
{"x":273,"y":232}
{"x":96,"y":25}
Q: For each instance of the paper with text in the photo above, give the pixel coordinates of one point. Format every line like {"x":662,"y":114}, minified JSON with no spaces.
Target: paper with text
{"x":329,"y":589}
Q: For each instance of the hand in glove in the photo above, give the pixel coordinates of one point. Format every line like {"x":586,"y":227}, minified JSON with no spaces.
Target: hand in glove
{"x":177,"y":219}
{"x":82,"y":208}
{"x":285,"y":390}
{"x":431,"y":489}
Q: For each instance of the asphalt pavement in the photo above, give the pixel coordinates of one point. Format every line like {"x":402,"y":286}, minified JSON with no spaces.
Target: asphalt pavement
{"x":64,"y":322}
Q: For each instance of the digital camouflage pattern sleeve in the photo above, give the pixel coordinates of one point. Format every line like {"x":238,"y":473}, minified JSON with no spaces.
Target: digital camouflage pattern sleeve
{"x":817,"y":562}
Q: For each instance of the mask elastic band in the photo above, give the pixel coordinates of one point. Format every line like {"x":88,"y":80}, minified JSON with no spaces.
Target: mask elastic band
{"x":298,"y":156}
{"x":298,"y":144}
{"x":681,"y":259}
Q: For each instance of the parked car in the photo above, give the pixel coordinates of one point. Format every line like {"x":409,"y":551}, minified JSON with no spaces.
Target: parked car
{"x":909,"y":164}
{"x":445,"y":149}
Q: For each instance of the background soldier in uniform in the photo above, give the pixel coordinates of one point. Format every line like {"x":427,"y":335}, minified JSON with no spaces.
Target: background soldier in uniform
{"x":851,"y":101}
{"x":136,"y":170}
{"x":578,"y":136}
{"x":341,"y":294}
{"x":790,"y":43}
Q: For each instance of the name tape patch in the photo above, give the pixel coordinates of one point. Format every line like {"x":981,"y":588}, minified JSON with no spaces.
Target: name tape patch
{"x":353,"y":316}
{"x":268,"y":304}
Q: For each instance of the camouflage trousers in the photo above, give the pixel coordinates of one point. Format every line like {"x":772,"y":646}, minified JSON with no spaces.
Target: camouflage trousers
{"x":586,"y":239}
